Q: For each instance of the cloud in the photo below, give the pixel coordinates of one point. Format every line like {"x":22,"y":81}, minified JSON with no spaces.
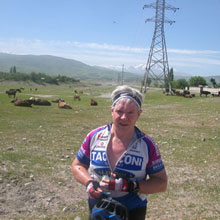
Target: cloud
{"x":109,"y":47}
{"x":104,"y":54}
{"x":194,"y":52}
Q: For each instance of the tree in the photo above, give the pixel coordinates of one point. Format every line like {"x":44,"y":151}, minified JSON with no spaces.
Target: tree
{"x":171,"y":75}
{"x":213,"y":82}
{"x":13,"y":69}
{"x":181,"y":84}
{"x":168,"y":80}
{"x":197,"y":80}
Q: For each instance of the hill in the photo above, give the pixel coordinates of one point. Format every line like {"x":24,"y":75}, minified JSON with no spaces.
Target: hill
{"x":54,"y":66}
{"x":207,"y":78}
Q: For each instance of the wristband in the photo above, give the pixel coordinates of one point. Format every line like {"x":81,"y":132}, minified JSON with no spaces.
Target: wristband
{"x":88,"y":182}
{"x":137,"y":188}
{"x":94,"y":182}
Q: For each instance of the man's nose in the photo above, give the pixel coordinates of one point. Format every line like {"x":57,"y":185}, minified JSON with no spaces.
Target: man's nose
{"x":123,"y":116}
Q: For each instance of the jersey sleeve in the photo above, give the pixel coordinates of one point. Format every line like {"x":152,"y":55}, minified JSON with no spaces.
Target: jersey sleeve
{"x":155,"y":163}
{"x":83,"y":154}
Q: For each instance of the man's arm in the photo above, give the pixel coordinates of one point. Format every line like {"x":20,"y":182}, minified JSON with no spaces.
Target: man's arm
{"x":80,"y":172}
{"x":156,"y":183}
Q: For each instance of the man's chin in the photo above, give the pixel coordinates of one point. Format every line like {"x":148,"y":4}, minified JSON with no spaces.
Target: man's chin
{"x":123,"y":125}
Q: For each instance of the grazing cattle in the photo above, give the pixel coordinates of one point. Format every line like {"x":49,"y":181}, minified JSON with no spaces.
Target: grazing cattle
{"x":188,"y":96}
{"x":37,"y":101}
{"x":57,"y":100}
{"x":20,"y":102}
{"x":65,"y":105}
{"x":186,"y":92}
{"x":93,"y":102}
{"x":76,"y":96}
{"x":204,"y":93}
{"x":176,"y":92}
{"x":215,"y":94}
{"x":11,"y":92}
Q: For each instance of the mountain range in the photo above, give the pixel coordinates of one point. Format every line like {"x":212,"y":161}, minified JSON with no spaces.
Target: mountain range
{"x":53,"y":66}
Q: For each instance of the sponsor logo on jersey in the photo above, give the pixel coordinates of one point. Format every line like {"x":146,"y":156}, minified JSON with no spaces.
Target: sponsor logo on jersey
{"x":123,"y":174}
{"x":98,"y":158}
{"x":103,"y":138}
{"x":102,"y":171}
{"x":131,"y":162}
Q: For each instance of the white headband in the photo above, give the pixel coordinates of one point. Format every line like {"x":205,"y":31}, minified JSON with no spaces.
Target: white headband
{"x":127,"y":96}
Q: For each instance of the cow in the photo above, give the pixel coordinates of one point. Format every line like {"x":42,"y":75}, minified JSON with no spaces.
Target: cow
{"x":186,"y":92}
{"x":65,"y":105}
{"x":176,"y":92}
{"x":76,"y":96}
{"x":215,"y":94}
{"x":37,"y":101}
{"x":93,"y":102}
{"x":204,"y":93}
{"x":188,"y":96}
{"x":57,"y":100}
{"x":11,"y":92}
{"x":20,"y":102}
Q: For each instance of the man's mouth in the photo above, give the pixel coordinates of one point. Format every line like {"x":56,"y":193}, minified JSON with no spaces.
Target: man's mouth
{"x":123,"y":124}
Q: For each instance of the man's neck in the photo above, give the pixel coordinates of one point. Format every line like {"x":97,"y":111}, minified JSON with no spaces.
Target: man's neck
{"x":122,"y":134}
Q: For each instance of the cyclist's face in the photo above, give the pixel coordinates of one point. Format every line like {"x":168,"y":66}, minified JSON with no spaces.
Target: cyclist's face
{"x":125,"y":114}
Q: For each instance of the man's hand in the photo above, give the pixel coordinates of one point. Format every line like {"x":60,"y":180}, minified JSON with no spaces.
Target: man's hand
{"x":119,"y":184}
{"x":93,"y":189}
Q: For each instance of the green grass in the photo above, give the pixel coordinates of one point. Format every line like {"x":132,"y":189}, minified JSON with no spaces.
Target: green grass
{"x":37,"y":140}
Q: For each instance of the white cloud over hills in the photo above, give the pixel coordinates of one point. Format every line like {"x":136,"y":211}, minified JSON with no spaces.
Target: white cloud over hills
{"x":191,"y":62}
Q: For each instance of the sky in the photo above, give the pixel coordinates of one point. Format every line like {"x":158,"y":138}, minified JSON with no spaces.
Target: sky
{"x":113,"y":33}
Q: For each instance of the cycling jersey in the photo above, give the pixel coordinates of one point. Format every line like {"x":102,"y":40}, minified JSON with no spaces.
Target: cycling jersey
{"x":141,"y":158}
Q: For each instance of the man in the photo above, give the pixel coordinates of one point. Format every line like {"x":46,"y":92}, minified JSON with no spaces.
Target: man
{"x":119,"y":150}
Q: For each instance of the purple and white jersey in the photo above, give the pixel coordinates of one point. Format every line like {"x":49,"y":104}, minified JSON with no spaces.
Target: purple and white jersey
{"x":141,"y":158}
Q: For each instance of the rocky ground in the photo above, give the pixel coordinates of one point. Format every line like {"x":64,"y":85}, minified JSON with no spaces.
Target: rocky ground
{"x":38,"y":198}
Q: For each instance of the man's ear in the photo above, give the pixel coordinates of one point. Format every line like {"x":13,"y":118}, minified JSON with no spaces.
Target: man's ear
{"x":139,"y":113}
{"x":111,"y":108}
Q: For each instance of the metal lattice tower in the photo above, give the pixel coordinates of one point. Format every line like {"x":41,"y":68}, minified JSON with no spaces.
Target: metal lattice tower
{"x":157,"y":67}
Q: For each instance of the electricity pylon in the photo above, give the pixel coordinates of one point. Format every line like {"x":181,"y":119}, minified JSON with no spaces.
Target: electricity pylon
{"x":157,"y":67}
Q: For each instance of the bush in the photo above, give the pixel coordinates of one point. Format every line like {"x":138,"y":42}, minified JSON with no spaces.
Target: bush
{"x":197,"y":80}
{"x":38,"y":78}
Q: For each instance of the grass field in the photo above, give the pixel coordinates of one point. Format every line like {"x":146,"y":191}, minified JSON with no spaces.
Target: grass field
{"x":38,"y":145}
